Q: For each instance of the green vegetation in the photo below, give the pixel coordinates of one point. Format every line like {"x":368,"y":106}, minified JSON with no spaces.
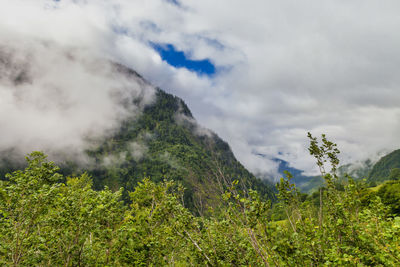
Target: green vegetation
{"x":389,"y":193}
{"x":48,"y":219}
{"x":166,"y":143}
{"x":388,"y":167}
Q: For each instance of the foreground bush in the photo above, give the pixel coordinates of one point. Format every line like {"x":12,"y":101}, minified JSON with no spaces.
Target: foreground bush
{"x":47,"y":219}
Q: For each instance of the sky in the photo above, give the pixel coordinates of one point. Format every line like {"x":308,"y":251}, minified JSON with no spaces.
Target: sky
{"x":259,"y":73}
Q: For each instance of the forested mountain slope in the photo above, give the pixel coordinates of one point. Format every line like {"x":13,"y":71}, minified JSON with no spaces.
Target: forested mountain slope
{"x":164,"y":142}
{"x":387,"y":168}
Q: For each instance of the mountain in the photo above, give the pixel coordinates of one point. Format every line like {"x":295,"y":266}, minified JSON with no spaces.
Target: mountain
{"x":308,"y":184}
{"x":387,"y":168}
{"x":166,"y":142}
{"x":358,"y":170}
{"x":304,"y":183}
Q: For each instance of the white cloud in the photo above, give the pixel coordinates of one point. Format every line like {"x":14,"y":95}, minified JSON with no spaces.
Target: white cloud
{"x":286,"y":67}
{"x":55,"y":94}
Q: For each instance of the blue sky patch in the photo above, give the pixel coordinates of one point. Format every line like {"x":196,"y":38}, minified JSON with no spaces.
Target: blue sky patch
{"x":178,"y":59}
{"x":175,"y":2}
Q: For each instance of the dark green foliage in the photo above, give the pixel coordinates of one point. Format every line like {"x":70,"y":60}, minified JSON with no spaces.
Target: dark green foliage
{"x":385,"y":168}
{"x":45,"y":222}
{"x":171,"y":149}
{"x":394,"y":174}
{"x":389,"y":194}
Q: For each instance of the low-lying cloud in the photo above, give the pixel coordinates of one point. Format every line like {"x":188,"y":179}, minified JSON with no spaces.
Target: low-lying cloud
{"x":283,"y":68}
{"x":62,"y":99}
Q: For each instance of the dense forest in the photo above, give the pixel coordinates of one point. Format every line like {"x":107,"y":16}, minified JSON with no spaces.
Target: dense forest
{"x":165,"y":142}
{"x":48,"y":219}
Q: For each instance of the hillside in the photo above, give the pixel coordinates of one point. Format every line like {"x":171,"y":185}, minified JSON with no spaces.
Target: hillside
{"x":165,"y":142}
{"x":387,"y":168}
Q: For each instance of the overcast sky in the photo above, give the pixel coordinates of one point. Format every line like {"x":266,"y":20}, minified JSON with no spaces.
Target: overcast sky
{"x":282,"y":68}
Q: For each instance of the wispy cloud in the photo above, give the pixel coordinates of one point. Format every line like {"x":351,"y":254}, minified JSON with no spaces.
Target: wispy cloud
{"x":287,"y":67}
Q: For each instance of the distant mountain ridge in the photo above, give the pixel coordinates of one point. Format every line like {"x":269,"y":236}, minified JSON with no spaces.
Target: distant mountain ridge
{"x":307,"y":184}
{"x":304,"y":183}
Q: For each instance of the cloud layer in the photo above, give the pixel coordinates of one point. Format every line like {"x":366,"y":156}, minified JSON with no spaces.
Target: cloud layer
{"x":59,"y":97}
{"x":283,"y":68}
